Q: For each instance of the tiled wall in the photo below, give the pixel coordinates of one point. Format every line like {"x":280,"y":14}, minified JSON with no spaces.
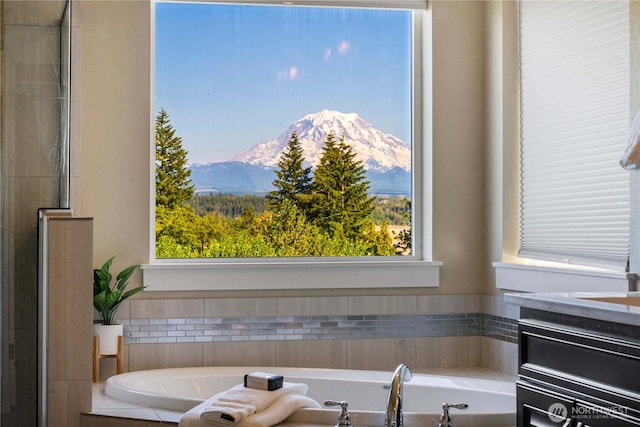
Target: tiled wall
{"x":354,"y":332}
{"x":500,"y":328}
{"x":238,"y":329}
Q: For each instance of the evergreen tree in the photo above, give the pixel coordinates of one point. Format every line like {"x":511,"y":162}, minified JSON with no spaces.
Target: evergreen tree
{"x":289,"y":233}
{"x":293,"y":181}
{"x":173,"y":186}
{"x":342,"y":206}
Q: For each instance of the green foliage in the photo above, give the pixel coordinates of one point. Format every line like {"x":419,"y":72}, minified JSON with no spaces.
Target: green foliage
{"x":341,"y":203}
{"x":285,"y":232}
{"x":108,"y":296}
{"x":168,"y":248}
{"x":289,"y":232}
{"x":403,"y":244}
{"x":179,"y":223}
{"x":238,"y":245}
{"x":229,"y":205}
{"x":173,"y":186}
{"x":392,"y":210}
{"x":293,"y":182}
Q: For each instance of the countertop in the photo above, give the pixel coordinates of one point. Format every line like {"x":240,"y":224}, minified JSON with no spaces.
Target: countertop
{"x":615,"y":307}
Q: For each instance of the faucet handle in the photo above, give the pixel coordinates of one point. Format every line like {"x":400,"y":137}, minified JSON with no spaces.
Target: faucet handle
{"x":447,"y":406}
{"x":343,"y":419}
{"x":445,"y":418}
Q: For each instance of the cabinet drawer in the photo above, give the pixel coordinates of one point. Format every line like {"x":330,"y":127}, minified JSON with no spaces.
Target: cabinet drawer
{"x":541,"y":407}
{"x":607,"y":360}
{"x":550,"y":406}
{"x":598,"y":416}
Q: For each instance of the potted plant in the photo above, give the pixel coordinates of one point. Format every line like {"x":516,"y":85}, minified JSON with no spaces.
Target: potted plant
{"x":107,"y":297}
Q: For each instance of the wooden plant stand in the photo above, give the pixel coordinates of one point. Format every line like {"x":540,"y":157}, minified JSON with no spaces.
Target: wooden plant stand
{"x":97,"y":356}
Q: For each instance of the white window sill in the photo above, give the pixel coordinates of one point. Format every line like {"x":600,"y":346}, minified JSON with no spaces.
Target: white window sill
{"x":530,"y":278}
{"x":265,"y":275}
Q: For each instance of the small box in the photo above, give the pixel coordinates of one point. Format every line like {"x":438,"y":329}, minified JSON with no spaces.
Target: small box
{"x":263,"y":381}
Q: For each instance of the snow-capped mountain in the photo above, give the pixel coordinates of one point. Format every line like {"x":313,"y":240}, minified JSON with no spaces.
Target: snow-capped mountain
{"x":386,"y":158}
{"x":379,"y":151}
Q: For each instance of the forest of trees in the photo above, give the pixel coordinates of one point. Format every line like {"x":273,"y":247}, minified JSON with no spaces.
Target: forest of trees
{"x":327,"y":212}
{"x":392,"y":210}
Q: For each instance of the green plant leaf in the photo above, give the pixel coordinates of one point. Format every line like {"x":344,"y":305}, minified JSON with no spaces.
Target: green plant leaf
{"x":113,"y":299}
{"x":105,"y":275}
{"x":107,"y":297}
{"x":99,"y":301}
{"x":124,"y":275}
{"x":131,"y":292}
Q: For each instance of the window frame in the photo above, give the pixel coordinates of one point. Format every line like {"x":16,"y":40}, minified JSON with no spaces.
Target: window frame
{"x":416,"y":270}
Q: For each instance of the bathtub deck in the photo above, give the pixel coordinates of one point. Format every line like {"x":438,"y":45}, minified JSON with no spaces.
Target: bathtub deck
{"x":105,"y":407}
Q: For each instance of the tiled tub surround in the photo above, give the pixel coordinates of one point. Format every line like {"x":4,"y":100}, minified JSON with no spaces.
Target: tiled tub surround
{"x":352,"y":332}
{"x":430,"y":333}
{"x":283,"y":328}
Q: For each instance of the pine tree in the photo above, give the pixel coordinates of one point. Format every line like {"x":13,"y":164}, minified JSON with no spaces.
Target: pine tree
{"x":342,"y":206}
{"x":173,"y":186}
{"x":293,"y":180}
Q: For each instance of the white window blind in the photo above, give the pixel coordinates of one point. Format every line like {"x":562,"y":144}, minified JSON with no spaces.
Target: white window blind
{"x":575,"y":109}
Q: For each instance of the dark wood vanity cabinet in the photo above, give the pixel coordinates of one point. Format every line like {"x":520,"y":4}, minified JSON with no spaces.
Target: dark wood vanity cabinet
{"x":577,"y":371}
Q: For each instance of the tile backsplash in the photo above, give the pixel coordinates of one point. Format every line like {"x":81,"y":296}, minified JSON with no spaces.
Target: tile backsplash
{"x":355,"y":332}
{"x":283,"y":328}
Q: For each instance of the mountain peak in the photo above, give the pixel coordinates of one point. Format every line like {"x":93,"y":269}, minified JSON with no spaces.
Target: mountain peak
{"x":378,"y":151}
{"x":330,"y":116}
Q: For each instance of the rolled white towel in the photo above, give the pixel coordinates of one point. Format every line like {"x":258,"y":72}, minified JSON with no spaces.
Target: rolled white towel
{"x":279,"y":410}
{"x":233,"y":406}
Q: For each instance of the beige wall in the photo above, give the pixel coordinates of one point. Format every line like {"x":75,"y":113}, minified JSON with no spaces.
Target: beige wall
{"x":502,"y":135}
{"x":458,"y":144}
{"x":112,"y":126}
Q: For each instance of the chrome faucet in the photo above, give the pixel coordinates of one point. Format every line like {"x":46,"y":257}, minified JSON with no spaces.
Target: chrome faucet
{"x":445,"y":418}
{"x":393,"y":416}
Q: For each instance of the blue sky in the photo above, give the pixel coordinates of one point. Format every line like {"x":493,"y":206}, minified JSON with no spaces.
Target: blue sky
{"x":233,"y":76}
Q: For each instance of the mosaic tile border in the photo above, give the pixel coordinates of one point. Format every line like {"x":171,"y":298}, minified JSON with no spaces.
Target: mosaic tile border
{"x":285,"y":328}
{"x":501,"y":328}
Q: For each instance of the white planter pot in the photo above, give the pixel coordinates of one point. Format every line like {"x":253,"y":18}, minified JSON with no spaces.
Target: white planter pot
{"x":108,"y":335}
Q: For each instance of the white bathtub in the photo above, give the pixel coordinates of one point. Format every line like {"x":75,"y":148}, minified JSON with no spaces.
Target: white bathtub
{"x":491,"y":403}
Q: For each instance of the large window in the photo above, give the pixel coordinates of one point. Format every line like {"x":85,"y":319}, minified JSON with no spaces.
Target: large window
{"x":294,"y":137}
{"x":575,"y":109}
